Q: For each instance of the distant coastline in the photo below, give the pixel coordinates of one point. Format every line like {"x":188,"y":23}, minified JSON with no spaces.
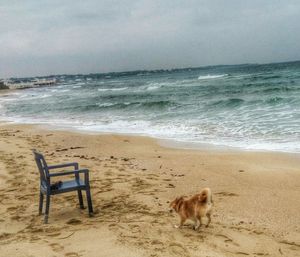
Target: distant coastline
{"x":146,"y":71}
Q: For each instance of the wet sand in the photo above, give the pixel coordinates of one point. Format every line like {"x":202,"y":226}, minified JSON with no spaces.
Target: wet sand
{"x":256,"y":196}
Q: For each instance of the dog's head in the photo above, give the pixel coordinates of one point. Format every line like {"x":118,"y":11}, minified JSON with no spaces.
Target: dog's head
{"x":175,"y":204}
{"x":204,"y":195}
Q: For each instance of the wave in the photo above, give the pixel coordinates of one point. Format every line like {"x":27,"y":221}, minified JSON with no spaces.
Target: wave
{"x":105,"y":104}
{"x":231,"y":102}
{"x":276,"y":100}
{"x":116,"y":105}
{"x":165,"y":84}
{"x":204,"y":77}
{"x":141,"y":105}
{"x":112,"y":89}
{"x":263,"y":77}
{"x":153,"y":87}
{"x":271,"y":77}
{"x":278,"y":89}
{"x":27,"y":97}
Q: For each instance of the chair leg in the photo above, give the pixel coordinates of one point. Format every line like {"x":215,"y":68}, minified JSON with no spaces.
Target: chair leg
{"x":80,"y":199}
{"x":41,"y":203}
{"x":47,"y":208}
{"x":89,"y":201}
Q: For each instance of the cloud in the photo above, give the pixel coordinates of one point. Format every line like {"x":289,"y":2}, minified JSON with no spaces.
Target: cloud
{"x":47,"y":37}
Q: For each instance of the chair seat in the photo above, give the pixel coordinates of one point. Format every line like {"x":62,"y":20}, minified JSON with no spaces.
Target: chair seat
{"x":68,"y":186}
{"x":71,"y":184}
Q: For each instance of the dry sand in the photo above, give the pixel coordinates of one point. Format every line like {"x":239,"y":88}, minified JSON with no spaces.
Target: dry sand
{"x":256,"y":195}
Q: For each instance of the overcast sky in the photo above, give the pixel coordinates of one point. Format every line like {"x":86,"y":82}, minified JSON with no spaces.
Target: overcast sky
{"x":56,"y":37}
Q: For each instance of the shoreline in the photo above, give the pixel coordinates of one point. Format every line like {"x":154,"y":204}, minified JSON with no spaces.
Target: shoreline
{"x":256,"y":203}
{"x":7,"y":91}
{"x":165,"y":142}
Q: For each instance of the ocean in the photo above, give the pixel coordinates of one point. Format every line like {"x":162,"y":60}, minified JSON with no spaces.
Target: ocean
{"x":251,"y":106}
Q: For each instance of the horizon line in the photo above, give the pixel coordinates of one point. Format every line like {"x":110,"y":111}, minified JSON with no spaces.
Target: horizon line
{"x":148,"y":70}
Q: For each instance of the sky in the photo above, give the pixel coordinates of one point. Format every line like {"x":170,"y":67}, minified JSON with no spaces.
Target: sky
{"x":95,"y":36}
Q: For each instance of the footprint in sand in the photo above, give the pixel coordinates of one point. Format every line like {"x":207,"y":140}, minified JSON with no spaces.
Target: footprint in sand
{"x":74,"y":222}
{"x":135,"y":228}
{"x":157,"y":245}
{"x":72,"y":254}
{"x":4,"y":236}
{"x":178,"y":250}
{"x":292,"y":245}
{"x":157,"y":242}
{"x":226,"y":194}
{"x":9,"y":209}
{"x":56,"y":247}
{"x":242,"y":253}
{"x":15,"y":217}
{"x":170,"y":186}
{"x":227,"y":240}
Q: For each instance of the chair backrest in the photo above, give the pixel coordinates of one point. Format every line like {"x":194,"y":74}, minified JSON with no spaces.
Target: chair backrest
{"x":42,"y":167}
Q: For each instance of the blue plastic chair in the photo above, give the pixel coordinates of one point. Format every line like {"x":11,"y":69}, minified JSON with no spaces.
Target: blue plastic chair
{"x":47,"y":188}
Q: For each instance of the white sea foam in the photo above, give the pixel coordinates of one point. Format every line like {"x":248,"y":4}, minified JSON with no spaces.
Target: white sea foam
{"x":42,"y":96}
{"x":77,"y":85}
{"x":105,"y":104}
{"x":158,"y":85}
{"x":204,"y":77}
{"x":153,"y":87}
{"x":27,"y":97}
{"x":112,"y":104}
{"x":189,"y":135}
{"x":112,"y":89}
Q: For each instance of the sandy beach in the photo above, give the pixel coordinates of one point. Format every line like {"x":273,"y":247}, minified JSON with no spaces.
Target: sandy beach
{"x":256,"y":197}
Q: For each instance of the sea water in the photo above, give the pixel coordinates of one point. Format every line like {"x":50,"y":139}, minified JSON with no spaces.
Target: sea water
{"x":248,"y":106}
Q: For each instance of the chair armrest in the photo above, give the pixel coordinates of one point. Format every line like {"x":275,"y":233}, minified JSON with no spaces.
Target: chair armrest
{"x":74,"y":164}
{"x":63,"y":173}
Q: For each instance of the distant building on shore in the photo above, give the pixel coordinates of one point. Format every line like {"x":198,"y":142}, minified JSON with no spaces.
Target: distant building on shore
{"x":19,"y":84}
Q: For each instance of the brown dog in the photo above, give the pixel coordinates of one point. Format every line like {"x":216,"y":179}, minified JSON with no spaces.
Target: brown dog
{"x":194,"y":208}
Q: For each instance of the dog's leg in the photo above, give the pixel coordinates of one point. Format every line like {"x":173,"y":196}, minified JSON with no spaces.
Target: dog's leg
{"x":197,"y":224}
{"x":200,"y":221}
{"x":209,"y":219}
{"x":182,"y":220}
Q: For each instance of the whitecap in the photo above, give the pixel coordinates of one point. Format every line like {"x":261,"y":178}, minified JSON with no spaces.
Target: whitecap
{"x":105,"y":104}
{"x":112,"y":89}
{"x":43,"y":96}
{"x":152,"y":87}
{"x":212,"y":76}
